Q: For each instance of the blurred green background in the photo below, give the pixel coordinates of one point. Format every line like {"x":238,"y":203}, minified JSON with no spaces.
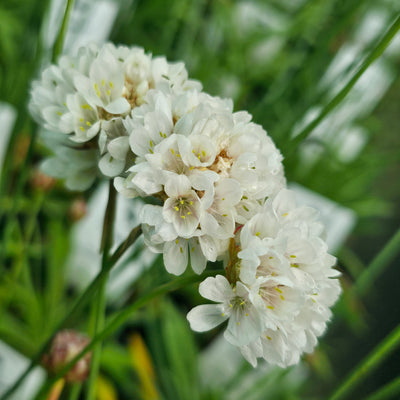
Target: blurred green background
{"x":280,"y":60}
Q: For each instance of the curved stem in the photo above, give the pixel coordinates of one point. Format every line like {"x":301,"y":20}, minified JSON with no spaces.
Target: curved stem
{"x":370,"y":363}
{"x":99,"y":304}
{"x":120,"y":317}
{"x":371,"y":57}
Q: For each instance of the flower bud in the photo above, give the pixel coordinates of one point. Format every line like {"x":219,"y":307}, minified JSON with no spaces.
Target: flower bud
{"x":64,"y":347}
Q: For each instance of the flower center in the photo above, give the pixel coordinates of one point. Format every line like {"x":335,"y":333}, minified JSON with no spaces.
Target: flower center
{"x":184,"y":207}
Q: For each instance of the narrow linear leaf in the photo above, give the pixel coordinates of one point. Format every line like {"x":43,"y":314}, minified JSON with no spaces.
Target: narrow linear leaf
{"x":370,"y":58}
{"x":369,"y":364}
{"x":387,"y":392}
{"x":378,"y":265}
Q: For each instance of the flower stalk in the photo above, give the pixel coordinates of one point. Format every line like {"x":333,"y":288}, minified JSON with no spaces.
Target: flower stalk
{"x":99,"y":304}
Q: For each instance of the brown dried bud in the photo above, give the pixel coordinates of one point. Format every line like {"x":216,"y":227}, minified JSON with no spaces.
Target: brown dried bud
{"x":41,"y":181}
{"x":78,"y":209}
{"x":64,"y":347}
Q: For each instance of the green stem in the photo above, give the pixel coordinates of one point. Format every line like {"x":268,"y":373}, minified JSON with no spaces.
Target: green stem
{"x":120,"y":317}
{"x":378,"y":264}
{"x":387,"y":392}
{"x":59,"y":43}
{"x":75,"y":391}
{"x":99,"y":304}
{"x":369,"y":364}
{"x":83,"y":299}
{"x":372,"y":56}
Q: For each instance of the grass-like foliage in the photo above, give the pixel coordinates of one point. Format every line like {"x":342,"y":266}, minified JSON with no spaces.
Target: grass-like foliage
{"x":321,"y":76}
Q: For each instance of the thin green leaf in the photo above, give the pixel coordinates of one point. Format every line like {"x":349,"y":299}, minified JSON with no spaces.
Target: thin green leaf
{"x":369,"y":364}
{"x":388,"y":391}
{"x":370,"y":58}
{"x":378,"y":265}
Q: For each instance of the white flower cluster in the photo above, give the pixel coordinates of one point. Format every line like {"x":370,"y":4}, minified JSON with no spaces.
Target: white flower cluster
{"x":278,"y":286}
{"x":217,"y":187}
{"x":88,"y":96}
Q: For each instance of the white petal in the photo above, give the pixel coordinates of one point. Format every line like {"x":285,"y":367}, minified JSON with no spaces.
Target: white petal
{"x":110,"y":166}
{"x":205,"y":317}
{"x":209,"y":247}
{"x":176,"y":256}
{"x":177,"y":185}
{"x":216,"y":289}
{"x":118,"y":148}
{"x":244,"y":326}
{"x":197,"y":258}
{"x":118,"y":106}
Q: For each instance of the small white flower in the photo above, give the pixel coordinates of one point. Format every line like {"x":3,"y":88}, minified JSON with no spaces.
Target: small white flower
{"x":183,"y":207}
{"x":237,"y":304}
